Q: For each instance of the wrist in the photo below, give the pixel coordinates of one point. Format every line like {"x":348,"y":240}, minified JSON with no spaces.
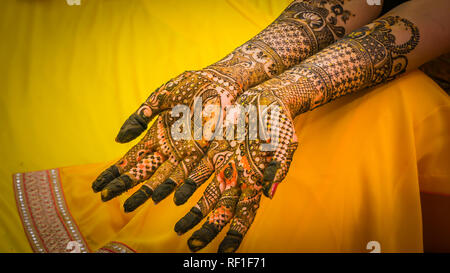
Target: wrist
{"x":252,"y":63}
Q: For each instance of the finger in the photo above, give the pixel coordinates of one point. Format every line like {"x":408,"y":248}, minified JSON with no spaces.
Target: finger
{"x":129,"y":160}
{"x":137,"y":122}
{"x":197,"y":177}
{"x":218,"y":219}
{"x":276,"y":170}
{"x":177,"y":177}
{"x":206,"y":203}
{"x":245,"y":214}
{"x":223,"y":212}
{"x":142,"y":171}
{"x":161,"y":99}
{"x":218,"y":154}
{"x":145,"y":192}
{"x":105,"y":177}
{"x":169,"y":184}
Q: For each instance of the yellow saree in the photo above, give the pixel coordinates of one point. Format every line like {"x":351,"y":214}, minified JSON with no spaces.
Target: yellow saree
{"x":356,"y":177}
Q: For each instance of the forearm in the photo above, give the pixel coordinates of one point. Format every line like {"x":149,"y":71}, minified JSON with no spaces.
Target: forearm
{"x":375,"y":54}
{"x":303,"y":29}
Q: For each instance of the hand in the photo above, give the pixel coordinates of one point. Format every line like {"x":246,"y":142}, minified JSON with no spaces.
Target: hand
{"x":243,"y":170}
{"x":158,"y":156}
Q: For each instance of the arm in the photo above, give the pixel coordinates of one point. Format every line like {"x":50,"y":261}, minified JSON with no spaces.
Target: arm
{"x":400,"y":41}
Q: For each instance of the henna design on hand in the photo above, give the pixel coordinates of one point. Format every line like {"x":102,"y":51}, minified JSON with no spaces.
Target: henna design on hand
{"x":301,"y":30}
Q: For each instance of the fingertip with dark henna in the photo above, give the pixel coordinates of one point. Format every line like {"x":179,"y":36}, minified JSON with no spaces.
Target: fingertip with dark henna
{"x":190,"y":220}
{"x":231,"y":242}
{"x":118,"y":186}
{"x":163,"y":190}
{"x":132,"y":128}
{"x":202,"y":237}
{"x":138,"y":198}
{"x":184,"y":192}
{"x":104,"y":178}
{"x":269,"y":176}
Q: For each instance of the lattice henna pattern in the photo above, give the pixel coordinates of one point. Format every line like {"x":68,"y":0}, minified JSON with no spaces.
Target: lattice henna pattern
{"x":364,"y":58}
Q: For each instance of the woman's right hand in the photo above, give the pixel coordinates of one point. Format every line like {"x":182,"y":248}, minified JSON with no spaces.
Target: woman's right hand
{"x":159,"y":157}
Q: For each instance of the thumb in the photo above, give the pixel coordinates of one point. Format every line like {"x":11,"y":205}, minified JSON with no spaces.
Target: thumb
{"x":277,"y":169}
{"x":138,"y":121}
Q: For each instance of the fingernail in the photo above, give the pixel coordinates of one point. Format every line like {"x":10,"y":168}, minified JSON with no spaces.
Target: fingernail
{"x":273,"y":189}
{"x":105,"y":195}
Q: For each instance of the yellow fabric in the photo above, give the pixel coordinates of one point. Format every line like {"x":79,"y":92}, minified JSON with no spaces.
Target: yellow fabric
{"x":70,"y":75}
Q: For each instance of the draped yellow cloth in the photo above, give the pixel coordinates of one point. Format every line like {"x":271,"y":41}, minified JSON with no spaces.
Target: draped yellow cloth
{"x":70,"y":75}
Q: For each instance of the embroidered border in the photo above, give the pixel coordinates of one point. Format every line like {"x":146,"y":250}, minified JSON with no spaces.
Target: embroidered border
{"x":45,"y":217}
{"x":115,"y":247}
